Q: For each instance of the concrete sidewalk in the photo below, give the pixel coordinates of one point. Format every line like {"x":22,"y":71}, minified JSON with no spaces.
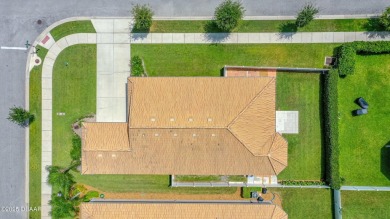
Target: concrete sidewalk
{"x":113,"y":68}
{"x":55,"y":49}
{"x":299,"y":37}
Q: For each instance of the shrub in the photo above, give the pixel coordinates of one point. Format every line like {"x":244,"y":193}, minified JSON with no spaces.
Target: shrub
{"x":347,"y":53}
{"x":20,"y":116}
{"x":384,"y":19}
{"x":306,"y":15}
{"x":143,"y":16}
{"x":75,"y":152}
{"x":137,"y":68}
{"x":228,"y":14}
{"x":331,"y":134}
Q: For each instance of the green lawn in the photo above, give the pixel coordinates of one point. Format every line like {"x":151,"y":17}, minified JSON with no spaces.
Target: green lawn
{"x":35,"y":137}
{"x":209,"y":59}
{"x":306,"y":203}
{"x":301,"y":92}
{"x":365,"y":205}
{"x":363,"y":158}
{"x":249,"y":26}
{"x":72,"y":27}
{"x":74,"y":93}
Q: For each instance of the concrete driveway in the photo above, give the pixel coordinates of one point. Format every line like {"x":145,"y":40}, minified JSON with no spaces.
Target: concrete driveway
{"x":18,"y":23}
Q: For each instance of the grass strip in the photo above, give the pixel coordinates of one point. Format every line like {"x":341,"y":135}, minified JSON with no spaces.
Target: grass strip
{"x":35,"y":141}
{"x":72,"y":27}
{"x":254,"y":26}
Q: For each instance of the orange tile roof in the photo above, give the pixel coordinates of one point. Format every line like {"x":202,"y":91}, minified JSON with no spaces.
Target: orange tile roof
{"x":180,"y":210}
{"x":195,"y":126}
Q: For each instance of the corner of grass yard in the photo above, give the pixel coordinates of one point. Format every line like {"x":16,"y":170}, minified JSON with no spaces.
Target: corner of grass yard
{"x":365,"y":204}
{"x":305,"y":203}
{"x":363,"y":155}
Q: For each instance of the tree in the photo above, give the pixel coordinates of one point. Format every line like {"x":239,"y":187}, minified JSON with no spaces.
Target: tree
{"x":142,"y":16}
{"x":384,"y":19}
{"x":62,"y":207}
{"x":306,"y":15}
{"x":61,"y":177}
{"x":228,"y":14}
{"x":20,"y":116}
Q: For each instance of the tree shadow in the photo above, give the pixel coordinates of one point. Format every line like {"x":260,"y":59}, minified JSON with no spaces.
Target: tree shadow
{"x":288,"y":26}
{"x":211,"y":27}
{"x":216,"y":37}
{"x":385,"y":160}
{"x":375,"y":29}
{"x":287,"y":30}
{"x":373,"y":25}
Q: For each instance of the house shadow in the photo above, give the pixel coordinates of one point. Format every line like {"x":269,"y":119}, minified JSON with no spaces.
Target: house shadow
{"x":385,"y":160}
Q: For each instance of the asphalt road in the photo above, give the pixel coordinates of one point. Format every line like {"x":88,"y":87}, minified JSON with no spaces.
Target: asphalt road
{"x":18,"y":24}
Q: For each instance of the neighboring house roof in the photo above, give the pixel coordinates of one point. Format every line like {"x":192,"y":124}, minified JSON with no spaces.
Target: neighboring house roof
{"x":180,"y":210}
{"x":190,"y":125}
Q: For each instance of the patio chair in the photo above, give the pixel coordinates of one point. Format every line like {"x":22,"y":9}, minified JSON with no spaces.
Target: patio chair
{"x":362,"y":103}
{"x":360,"y":112}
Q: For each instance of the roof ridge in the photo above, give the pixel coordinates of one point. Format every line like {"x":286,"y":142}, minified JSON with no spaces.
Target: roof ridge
{"x":129,"y":95}
{"x":242,"y":143}
{"x":273,"y":211}
{"x":250,"y":103}
{"x":273,"y":140}
{"x":269,"y":159}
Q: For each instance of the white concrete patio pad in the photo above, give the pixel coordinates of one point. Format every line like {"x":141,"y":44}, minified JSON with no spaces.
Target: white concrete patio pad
{"x":287,"y":122}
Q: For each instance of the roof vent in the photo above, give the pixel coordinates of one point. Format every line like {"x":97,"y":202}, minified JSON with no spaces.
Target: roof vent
{"x":194,"y":135}
{"x":113,"y":155}
{"x":209,"y":119}
{"x":213,"y":135}
{"x":172,"y":119}
{"x":174,"y":135}
{"x":190,"y":119}
{"x":153,"y":119}
{"x":100,"y":155}
{"x":156,"y":134}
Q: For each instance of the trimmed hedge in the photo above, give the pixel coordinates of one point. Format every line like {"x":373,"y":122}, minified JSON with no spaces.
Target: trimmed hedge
{"x":331,"y":134}
{"x":302,"y":183}
{"x":347,"y":53}
{"x":75,"y":152}
{"x":137,"y":69}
